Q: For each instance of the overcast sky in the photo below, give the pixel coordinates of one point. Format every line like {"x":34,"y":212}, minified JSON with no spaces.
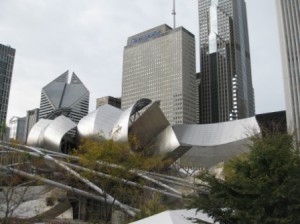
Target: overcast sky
{"x":88,"y":36}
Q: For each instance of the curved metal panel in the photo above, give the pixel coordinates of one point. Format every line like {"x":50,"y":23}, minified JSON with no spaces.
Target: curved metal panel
{"x":167,"y":142}
{"x":214,"y":143}
{"x":36,"y":134}
{"x":120,"y":130}
{"x":216,"y":134}
{"x":149,"y":124}
{"x":99,"y":122}
{"x":195,"y":145}
{"x":55,"y":132}
{"x":209,"y":156}
{"x":153,"y":130}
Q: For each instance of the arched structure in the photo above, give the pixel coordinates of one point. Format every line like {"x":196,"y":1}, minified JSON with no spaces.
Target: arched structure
{"x":153,"y":130}
{"x":99,"y":123}
{"x":120,"y":129}
{"x":36,"y":134}
{"x":195,"y":145}
{"x":50,"y":134}
{"x":56,"y":131}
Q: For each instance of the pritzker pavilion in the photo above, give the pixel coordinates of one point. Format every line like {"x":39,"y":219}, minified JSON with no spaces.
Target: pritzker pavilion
{"x":192,"y":144}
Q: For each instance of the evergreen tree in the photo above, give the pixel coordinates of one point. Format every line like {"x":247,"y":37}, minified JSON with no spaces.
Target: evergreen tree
{"x":260,"y":187}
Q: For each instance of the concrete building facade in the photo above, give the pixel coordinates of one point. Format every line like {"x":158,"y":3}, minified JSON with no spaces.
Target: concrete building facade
{"x":17,"y":129}
{"x":116,"y":102}
{"x":7,"y":56}
{"x":226,"y":91}
{"x":159,"y":64}
{"x":32,"y":116}
{"x":289,"y":29}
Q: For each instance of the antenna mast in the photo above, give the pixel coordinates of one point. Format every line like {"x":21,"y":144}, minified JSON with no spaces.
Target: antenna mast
{"x":174,"y":15}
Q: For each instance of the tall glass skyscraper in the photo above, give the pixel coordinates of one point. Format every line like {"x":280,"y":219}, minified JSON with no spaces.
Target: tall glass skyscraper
{"x":7,"y":56}
{"x":159,"y":64}
{"x":289,"y":30}
{"x":69,"y":99}
{"x":225,"y":91}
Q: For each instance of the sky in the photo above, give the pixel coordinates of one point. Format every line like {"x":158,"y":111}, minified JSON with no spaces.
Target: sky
{"x":88,"y":37}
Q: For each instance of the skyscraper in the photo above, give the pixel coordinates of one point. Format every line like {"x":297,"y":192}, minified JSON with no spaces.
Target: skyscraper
{"x":32,"y":116}
{"x":7,"y":56}
{"x":289,"y":30}
{"x":59,"y":97}
{"x":159,"y":64}
{"x":17,"y":128}
{"x":226,"y":91}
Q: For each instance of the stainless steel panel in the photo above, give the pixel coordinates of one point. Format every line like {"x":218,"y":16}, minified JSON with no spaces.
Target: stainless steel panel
{"x":36,"y":134}
{"x":99,"y":123}
{"x":55,"y":132}
{"x":216,"y":134}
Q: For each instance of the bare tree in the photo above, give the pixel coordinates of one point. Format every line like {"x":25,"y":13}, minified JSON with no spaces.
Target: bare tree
{"x":12,"y":187}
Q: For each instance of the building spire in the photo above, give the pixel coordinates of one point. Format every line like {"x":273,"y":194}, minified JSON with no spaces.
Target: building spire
{"x":174,"y":15}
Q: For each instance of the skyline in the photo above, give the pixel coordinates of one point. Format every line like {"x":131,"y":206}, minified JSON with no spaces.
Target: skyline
{"x":88,"y":39}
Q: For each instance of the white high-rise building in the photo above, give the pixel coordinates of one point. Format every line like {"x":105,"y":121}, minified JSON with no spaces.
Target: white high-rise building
{"x":289,"y":30}
{"x":159,"y":64}
{"x":17,"y":129}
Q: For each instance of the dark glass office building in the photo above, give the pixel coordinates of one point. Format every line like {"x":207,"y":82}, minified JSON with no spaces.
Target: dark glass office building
{"x":226,"y":91}
{"x":62,"y":98}
{"x":7,"y":56}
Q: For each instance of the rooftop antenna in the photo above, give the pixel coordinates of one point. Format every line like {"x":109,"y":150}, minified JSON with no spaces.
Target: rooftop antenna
{"x":174,"y":15}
